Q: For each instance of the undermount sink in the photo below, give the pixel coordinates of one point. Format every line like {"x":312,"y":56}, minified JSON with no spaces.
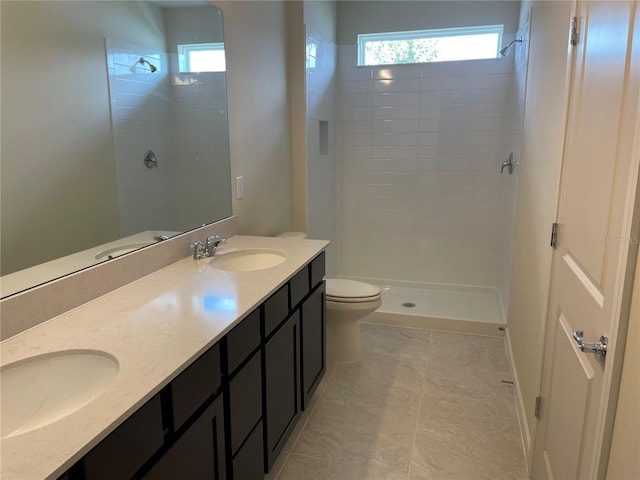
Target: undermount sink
{"x":40,"y":390}
{"x":248,"y":260}
{"x":121,"y":250}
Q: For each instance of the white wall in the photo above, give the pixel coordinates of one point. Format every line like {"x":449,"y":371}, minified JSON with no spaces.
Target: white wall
{"x":537,"y":197}
{"x":520,"y":54}
{"x":255,"y":41}
{"x":322,"y":167}
{"x":356,"y":17}
{"x":58,"y":176}
{"x":624,"y":462}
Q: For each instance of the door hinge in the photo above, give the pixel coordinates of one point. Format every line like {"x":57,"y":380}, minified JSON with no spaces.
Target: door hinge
{"x":554,"y":235}
{"x":573,"y":36}
{"x":536,"y":410}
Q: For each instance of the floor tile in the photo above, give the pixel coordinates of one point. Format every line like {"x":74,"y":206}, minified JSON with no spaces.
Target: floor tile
{"x":461,"y":448}
{"x":454,"y":349}
{"x":420,"y":405}
{"x":359,"y":430}
{"x":395,"y":341}
{"x":467,"y":391}
{"x":301,"y":467}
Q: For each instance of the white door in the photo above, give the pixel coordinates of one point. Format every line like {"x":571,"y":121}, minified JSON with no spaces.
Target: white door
{"x":590,"y":276}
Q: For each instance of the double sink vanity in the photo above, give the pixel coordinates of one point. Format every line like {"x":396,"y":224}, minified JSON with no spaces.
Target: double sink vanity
{"x":199,"y":370}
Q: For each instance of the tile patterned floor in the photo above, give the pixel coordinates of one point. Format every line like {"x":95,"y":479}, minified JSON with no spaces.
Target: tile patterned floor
{"x":420,"y":405}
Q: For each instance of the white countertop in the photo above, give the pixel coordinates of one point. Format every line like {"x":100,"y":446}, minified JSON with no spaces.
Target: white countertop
{"x":154,"y":327}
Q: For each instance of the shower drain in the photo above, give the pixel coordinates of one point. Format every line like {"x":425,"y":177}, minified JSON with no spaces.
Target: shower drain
{"x":408,"y":305}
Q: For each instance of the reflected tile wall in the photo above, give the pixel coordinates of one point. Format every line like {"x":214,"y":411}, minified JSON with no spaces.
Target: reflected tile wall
{"x":420,"y":147}
{"x":141,"y":121}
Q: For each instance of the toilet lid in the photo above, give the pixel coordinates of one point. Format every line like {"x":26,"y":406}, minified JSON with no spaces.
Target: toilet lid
{"x":339,"y":289}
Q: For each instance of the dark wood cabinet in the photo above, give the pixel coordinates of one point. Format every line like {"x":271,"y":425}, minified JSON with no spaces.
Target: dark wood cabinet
{"x":199,"y":454}
{"x":129,"y":447}
{"x":248,"y":464}
{"x":245,"y":401}
{"x":201,"y":380}
{"x":281,"y":386}
{"x":312,"y":343}
{"x":229,"y":414}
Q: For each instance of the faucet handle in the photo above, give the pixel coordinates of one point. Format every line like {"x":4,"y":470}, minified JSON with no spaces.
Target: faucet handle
{"x":199,"y":250}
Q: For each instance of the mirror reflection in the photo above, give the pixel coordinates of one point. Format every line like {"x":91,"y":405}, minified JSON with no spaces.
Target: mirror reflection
{"x":114,"y":130}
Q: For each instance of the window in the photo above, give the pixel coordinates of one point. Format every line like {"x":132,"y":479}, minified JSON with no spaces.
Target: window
{"x":420,"y":46}
{"x":202,"y":57}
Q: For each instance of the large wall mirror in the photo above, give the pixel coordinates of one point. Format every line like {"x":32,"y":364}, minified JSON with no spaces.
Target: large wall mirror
{"x":114,"y":130}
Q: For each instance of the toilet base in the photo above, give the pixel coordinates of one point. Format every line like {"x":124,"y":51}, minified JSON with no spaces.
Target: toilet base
{"x":343,"y":341}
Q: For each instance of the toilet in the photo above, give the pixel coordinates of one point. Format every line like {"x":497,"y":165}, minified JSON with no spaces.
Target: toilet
{"x":347,"y":302}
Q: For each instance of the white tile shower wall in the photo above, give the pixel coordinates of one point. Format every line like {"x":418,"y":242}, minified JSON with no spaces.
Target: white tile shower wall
{"x":322,"y":169}
{"x":420,"y":193}
{"x":141,"y":120}
{"x":515,"y":121}
{"x":201,"y":148}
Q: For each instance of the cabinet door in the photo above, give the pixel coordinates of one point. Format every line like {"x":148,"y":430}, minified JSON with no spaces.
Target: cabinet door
{"x":199,"y":454}
{"x":245,"y":401}
{"x":248,"y":463}
{"x":282,"y":386}
{"x":312,"y":333}
{"x":129,"y":447}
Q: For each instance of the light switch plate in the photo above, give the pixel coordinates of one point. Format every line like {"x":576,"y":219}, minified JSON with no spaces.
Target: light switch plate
{"x":239,"y":188}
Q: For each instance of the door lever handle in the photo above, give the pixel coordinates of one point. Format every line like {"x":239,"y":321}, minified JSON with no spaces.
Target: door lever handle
{"x":599,"y":348}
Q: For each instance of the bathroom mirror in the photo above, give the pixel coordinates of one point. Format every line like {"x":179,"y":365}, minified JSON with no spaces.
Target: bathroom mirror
{"x":114,"y":130}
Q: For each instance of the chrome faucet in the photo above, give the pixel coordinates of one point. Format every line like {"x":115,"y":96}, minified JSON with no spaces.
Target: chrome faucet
{"x":208,"y":249}
{"x":213,"y":242}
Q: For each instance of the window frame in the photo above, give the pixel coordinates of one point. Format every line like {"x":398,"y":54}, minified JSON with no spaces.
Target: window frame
{"x":363,"y":38}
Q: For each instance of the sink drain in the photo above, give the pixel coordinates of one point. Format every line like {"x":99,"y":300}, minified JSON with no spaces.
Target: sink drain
{"x":408,"y":305}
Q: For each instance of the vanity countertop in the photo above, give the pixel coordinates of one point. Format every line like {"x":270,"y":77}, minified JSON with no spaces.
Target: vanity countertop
{"x":155,"y":327}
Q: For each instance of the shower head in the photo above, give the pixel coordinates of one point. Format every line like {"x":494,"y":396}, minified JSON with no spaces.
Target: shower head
{"x":152,"y":67}
{"x":505,"y":50}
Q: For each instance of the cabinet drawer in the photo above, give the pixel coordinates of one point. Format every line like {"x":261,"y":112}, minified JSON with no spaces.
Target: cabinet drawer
{"x":249,"y":462}
{"x":317,"y":270}
{"x":299,"y":286}
{"x":193,"y":386}
{"x":123,"y":452}
{"x":243,"y":340}
{"x":276,"y":309}
{"x":245,"y":401}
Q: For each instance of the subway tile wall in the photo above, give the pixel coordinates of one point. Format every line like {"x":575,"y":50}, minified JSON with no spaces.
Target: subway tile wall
{"x":420,"y":195}
{"x":515,"y":122}
{"x":182,"y":117}
{"x":201,"y":147}
{"x":141,"y":121}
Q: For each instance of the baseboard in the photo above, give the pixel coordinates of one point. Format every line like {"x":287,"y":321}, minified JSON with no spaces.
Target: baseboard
{"x":527,"y":444}
{"x":437,"y":324}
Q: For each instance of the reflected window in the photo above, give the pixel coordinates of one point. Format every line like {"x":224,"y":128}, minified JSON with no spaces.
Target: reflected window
{"x":202,"y":57}
{"x":423,"y":46}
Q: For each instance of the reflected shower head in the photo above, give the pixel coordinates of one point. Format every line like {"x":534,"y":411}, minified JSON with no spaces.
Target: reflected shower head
{"x":504,"y":50}
{"x":152,"y":67}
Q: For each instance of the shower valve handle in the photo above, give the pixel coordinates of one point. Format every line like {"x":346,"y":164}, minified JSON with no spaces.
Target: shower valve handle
{"x":508,"y":164}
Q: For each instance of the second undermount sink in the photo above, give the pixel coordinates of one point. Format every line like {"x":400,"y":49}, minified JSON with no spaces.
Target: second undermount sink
{"x":248,"y":260}
{"x":40,"y":390}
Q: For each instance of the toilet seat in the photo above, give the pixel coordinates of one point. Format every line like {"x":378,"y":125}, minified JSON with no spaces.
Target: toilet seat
{"x":340,"y":290}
